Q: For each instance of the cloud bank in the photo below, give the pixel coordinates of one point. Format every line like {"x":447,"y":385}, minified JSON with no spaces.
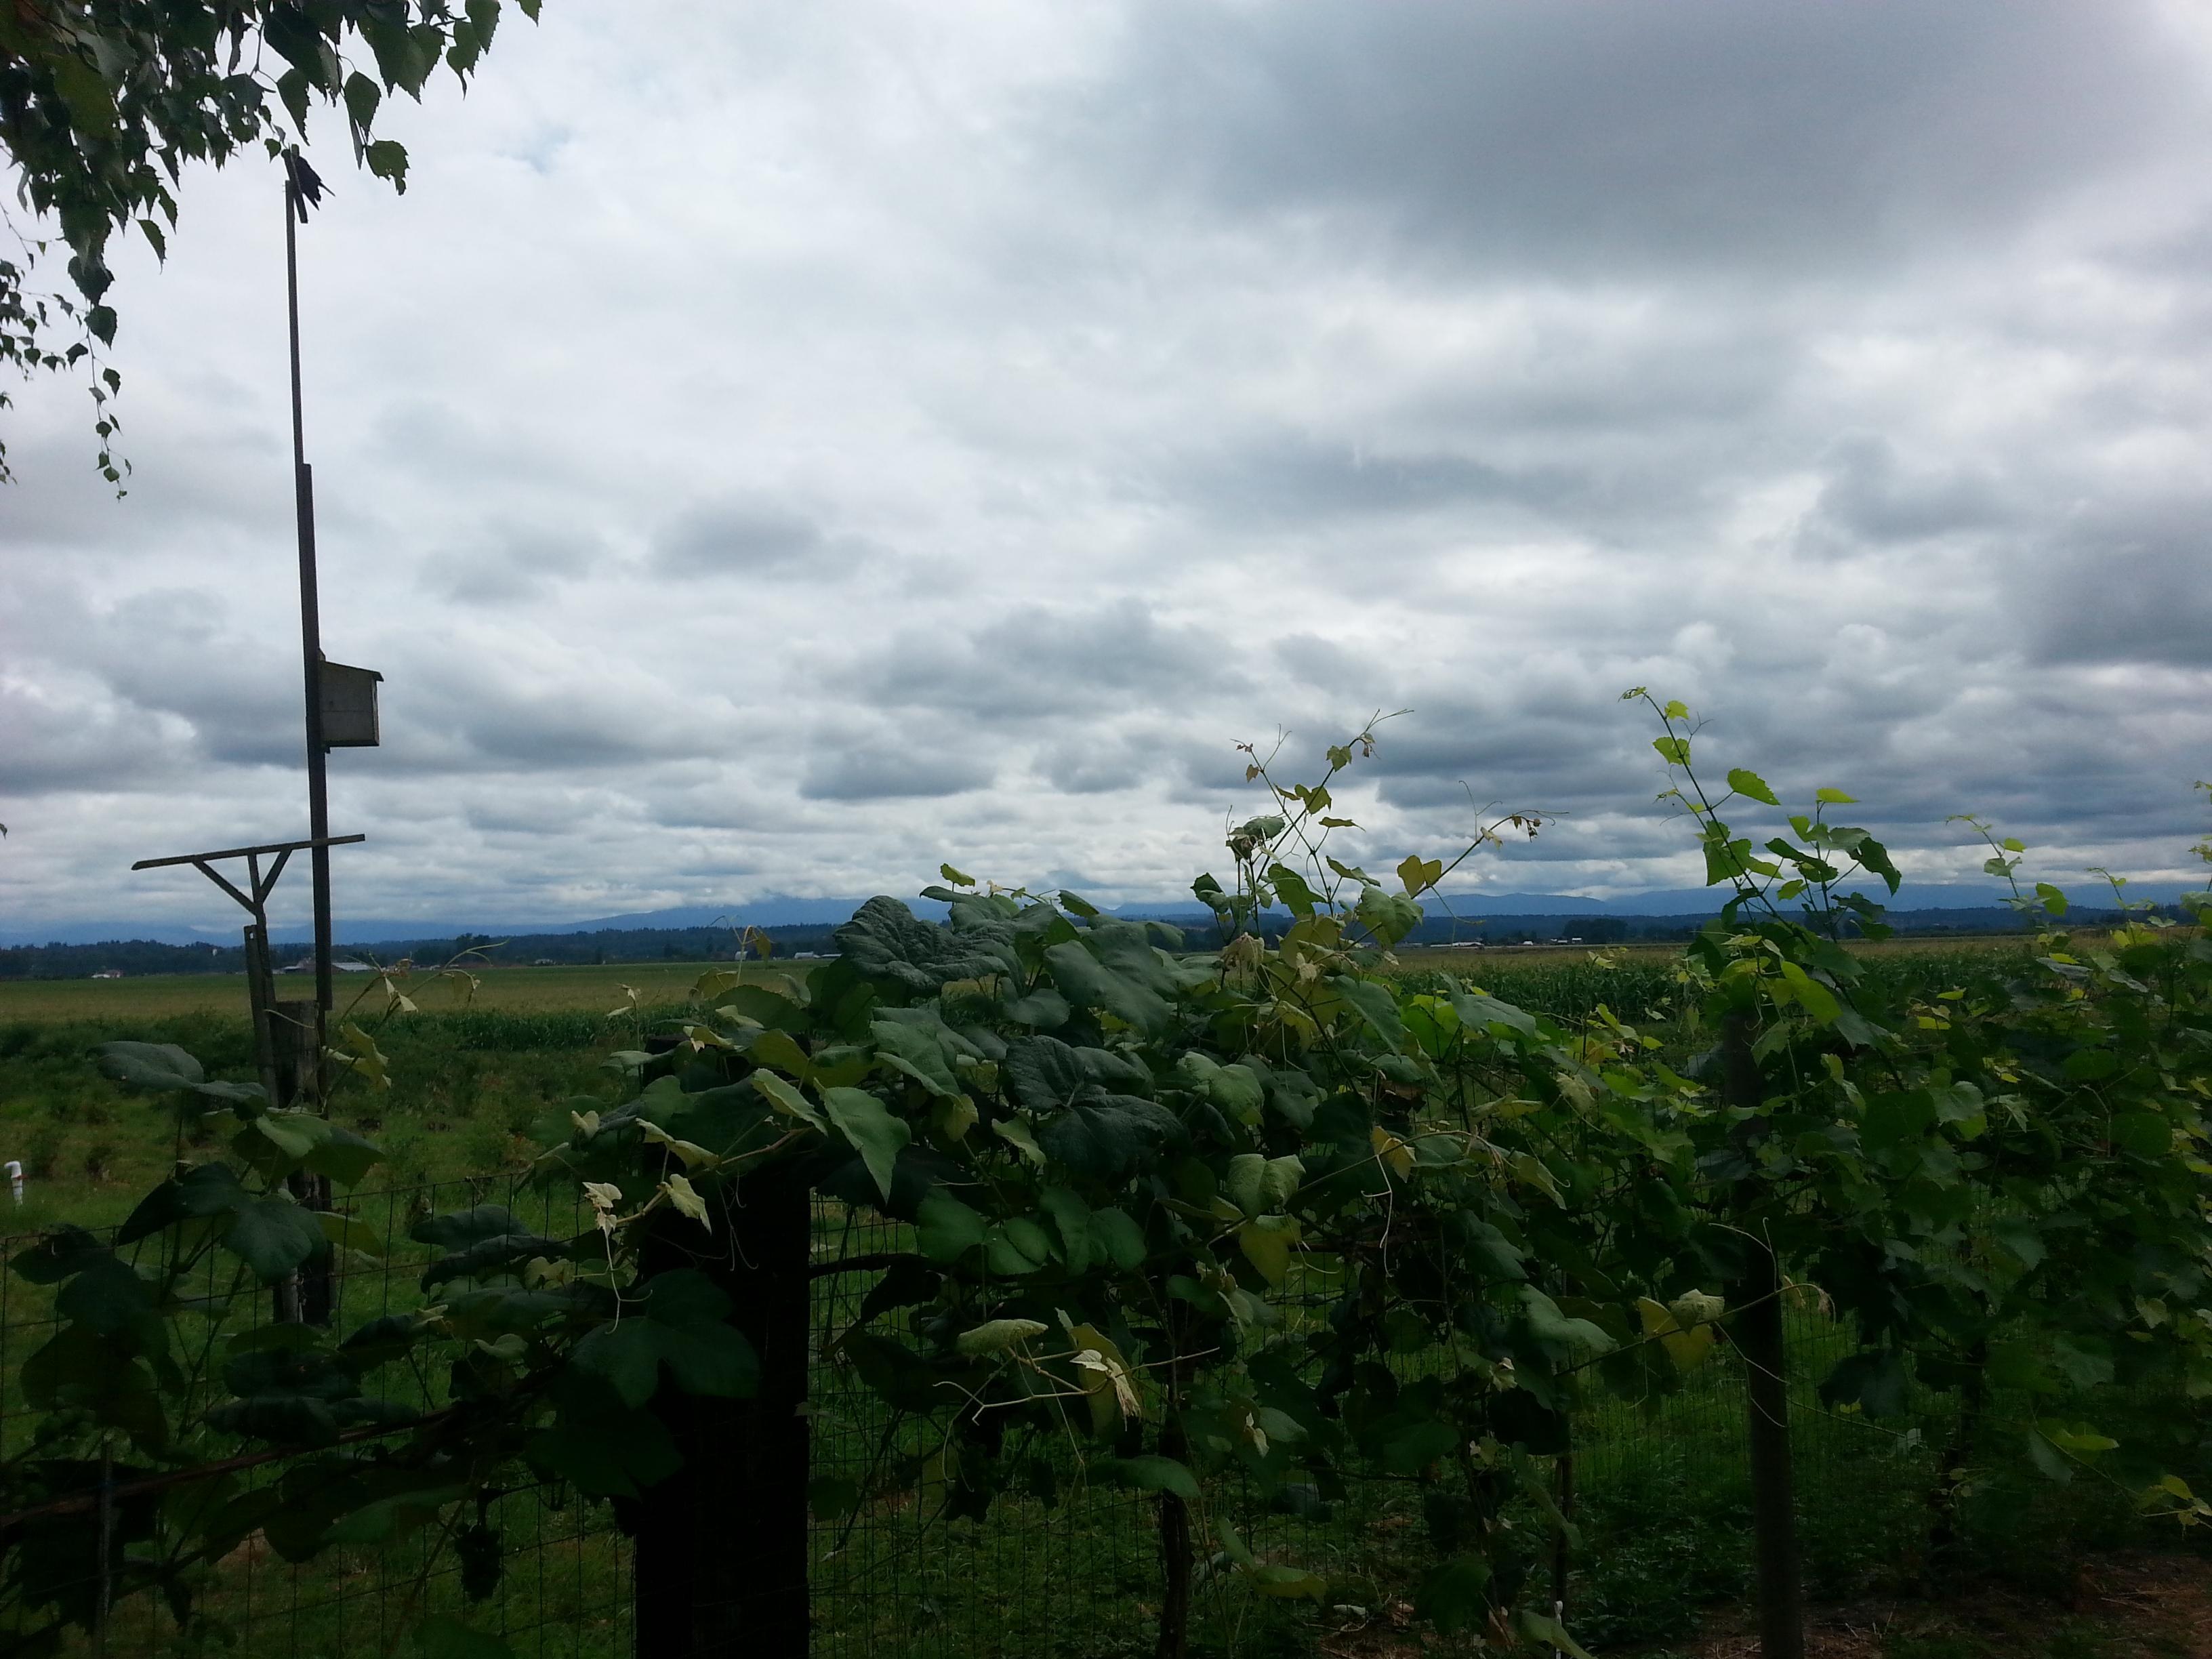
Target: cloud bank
{"x":871,"y":435}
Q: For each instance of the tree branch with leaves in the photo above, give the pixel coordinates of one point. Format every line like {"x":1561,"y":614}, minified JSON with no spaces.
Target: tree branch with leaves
{"x":103,"y":103}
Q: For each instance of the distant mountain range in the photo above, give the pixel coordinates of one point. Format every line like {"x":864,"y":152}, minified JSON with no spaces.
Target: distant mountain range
{"x":782,"y":911}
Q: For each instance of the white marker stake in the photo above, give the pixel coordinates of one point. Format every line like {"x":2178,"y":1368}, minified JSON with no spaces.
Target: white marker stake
{"x":15,"y":1178}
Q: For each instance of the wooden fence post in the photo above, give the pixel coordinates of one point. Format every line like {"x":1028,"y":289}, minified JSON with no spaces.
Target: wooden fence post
{"x":292,"y":1026}
{"x":1757,"y":1329}
{"x":720,"y":1560}
{"x":1173,"y":1523}
{"x":287,"y":1053}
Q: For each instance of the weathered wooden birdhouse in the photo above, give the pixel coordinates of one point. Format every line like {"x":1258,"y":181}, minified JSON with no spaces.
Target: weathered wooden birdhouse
{"x":348,"y":706}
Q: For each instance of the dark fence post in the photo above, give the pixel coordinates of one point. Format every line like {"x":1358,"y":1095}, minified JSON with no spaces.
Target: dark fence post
{"x":292,"y":1028}
{"x":721,"y":1545}
{"x":287,"y":1053}
{"x":1174,"y":1518}
{"x":1757,"y":1329}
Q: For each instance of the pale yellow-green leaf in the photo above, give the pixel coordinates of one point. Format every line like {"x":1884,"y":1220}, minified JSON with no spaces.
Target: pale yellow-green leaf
{"x":1686,"y":1344}
{"x":1392,"y":1151}
{"x":692,"y":1154}
{"x":786,"y":1097}
{"x":996,"y":1336}
{"x":1288,"y":1583}
{"x":1269,"y":1243}
{"x":1529,"y":1169}
{"x":1419,"y":874}
{"x":1107,"y":1383}
{"x":715,"y":984}
{"x":1016,"y":1133}
{"x":1810,"y":994}
{"x":685,"y":1198}
{"x":349,"y":1234}
{"x":359,"y":1052}
{"x":954,"y":1118}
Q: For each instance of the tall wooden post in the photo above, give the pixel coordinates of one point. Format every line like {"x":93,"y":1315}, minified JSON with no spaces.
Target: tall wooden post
{"x":260,"y":994}
{"x":1757,"y":1329}
{"x":294,"y":1024}
{"x":288,"y":1057}
{"x":301,"y":187}
{"x":721,"y":1545}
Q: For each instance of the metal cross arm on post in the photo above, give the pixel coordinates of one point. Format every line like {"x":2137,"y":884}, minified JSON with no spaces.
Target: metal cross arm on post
{"x":263,"y":886}
{"x":288,"y":1037}
{"x":302,"y":1050}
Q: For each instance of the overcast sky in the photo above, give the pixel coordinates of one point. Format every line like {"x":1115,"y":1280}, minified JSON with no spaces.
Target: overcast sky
{"x":773,"y":448}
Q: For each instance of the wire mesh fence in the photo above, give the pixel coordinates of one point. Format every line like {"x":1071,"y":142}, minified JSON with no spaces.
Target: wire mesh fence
{"x":1056,"y":1570}
{"x":563,"y":1589}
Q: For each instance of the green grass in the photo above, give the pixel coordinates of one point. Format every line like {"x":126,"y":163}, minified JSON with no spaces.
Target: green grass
{"x":1663,"y":1497}
{"x":464,"y":1086}
{"x":502,"y":990}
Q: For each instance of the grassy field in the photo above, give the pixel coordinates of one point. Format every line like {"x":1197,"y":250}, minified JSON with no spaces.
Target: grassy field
{"x":469,"y":1072}
{"x":580,"y":989}
{"x":1663,"y":1496}
{"x":515,"y":990}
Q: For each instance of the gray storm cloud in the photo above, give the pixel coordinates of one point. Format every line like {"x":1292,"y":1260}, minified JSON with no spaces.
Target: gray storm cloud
{"x":874,"y":437}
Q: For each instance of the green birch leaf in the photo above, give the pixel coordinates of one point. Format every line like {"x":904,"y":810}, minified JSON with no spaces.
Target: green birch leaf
{"x":362,"y":97}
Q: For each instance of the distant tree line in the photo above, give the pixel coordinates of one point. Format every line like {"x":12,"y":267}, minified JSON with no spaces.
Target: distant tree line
{"x":133,"y":958}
